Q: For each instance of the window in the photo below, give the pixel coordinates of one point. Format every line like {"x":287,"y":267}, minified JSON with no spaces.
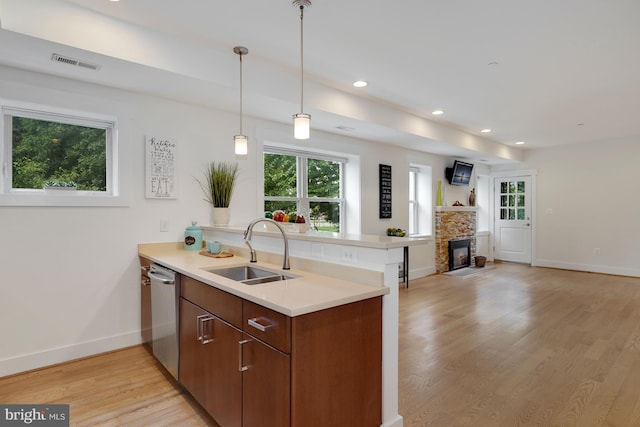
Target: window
{"x":413,"y":200}
{"x":420,"y":202}
{"x":310,"y":184}
{"x":46,"y":148}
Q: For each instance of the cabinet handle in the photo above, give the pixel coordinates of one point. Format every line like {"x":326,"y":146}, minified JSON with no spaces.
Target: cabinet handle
{"x":240,"y":367}
{"x":199,"y":325}
{"x":206,"y":340}
{"x":254,"y":322}
{"x":146,"y":281}
{"x":144,"y":268}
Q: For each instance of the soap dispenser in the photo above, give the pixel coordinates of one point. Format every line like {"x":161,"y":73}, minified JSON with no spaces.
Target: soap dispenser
{"x":193,"y":237}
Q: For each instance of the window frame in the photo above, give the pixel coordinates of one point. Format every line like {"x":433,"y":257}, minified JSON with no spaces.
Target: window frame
{"x":302,"y":199}
{"x":421,"y":208}
{"x":10,"y":196}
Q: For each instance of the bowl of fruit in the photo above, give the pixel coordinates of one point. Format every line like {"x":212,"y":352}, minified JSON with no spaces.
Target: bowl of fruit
{"x":292,"y":221}
{"x":398,"y":232}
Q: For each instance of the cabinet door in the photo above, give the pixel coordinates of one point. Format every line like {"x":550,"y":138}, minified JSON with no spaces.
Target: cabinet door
{"x":224,"y":379}
{"x":193,"y":354}
{"x":145,"y":303}
{"x":145,"y":310}
{"x":209,"y":363}
{"x":265,"y":385}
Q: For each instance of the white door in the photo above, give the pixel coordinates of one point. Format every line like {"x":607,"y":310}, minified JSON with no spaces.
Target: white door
{"x":512,"y":219}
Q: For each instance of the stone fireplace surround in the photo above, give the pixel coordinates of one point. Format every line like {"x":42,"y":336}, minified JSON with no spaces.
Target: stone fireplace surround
{"x":453,"y":222}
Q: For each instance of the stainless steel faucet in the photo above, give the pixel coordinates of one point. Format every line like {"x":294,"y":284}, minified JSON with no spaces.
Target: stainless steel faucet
{"x":247,"y":241}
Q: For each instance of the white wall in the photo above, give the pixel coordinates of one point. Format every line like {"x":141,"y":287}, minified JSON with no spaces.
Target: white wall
{"x":70,"y":276}
{"x":586,"y":200}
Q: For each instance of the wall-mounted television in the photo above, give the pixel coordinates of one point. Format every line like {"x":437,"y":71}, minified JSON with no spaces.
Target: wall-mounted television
{"x":460,"y":173}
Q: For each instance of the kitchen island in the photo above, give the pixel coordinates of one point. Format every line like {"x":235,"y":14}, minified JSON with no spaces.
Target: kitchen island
{"x":302,"y":351}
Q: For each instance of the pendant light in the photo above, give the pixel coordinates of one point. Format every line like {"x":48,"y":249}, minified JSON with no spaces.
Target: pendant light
{"x":241,"y":142}
{"x":301,"y":120}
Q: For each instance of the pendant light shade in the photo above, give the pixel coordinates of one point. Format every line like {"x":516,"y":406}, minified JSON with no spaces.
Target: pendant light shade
{"x":301,"y":121}
{"x":301,"y":125}
{"x":241,"y":142}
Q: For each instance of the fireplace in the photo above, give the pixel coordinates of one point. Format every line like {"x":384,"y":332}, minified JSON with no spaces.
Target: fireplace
{"x":459,"y":253}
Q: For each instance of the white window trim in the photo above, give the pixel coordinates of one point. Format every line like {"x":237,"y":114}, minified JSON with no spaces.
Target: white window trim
{"x":114,"y":196}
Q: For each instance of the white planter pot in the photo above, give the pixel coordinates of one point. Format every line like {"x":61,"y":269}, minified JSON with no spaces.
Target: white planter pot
{"x":220,"y":216}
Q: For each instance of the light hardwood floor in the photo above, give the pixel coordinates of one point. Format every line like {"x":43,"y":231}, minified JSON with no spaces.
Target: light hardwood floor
{"x":520,"y":346}
{"x":511,"y":346}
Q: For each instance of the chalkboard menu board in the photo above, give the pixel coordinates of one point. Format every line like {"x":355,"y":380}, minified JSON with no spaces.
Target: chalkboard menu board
{"x":385,"y":191}
{"x":160,"y":168}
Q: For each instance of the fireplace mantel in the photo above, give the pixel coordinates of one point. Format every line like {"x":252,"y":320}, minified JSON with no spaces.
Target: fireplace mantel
{"x":456,"y":208}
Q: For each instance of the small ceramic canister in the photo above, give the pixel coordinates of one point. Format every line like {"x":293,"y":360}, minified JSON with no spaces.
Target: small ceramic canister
{"x":193,"y":237}
{"x":214,"y":247}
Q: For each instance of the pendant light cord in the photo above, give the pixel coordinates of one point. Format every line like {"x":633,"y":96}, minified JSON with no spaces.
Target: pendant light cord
{"x":241,"y":94}
{"x":301,"y":58}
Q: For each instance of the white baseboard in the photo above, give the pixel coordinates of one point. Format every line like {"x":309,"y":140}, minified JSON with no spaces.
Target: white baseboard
{"x":604,"y":269}
{"x":421,"y":272}
{"x":397,"y":421}
{"x":27,"y":362}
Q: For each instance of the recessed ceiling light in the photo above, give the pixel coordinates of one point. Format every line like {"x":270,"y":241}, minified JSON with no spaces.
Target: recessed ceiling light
{"x":520,"y":143}
{"x":485,"y":130}
{"x":437,"y":112}
{"x":360,"y":83}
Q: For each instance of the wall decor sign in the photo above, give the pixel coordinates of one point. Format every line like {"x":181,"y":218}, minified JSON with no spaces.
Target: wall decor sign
{"x":160,"y":168}
{"x":384,"y":172}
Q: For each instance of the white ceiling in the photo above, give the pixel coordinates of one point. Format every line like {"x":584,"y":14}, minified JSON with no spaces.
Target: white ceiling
{"x":544,"y":72}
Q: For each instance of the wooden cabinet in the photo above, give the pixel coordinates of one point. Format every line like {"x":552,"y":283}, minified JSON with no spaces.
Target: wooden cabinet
{"x":252,"y":366}
{"x":145,"y":302}
{"x":208,"y":368}
{"x":266,"y":385}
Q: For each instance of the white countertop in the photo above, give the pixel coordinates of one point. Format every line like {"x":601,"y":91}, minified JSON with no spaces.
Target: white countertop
{"x":306,"y":293}
{"x":364,"y":240}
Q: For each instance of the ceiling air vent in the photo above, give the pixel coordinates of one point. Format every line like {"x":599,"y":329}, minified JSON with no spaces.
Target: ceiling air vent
{"x":71,"y":61}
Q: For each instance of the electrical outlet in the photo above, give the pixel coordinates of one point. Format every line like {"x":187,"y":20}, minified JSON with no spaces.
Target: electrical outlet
{"x":348,"y":255}
{"x":164,"y":225}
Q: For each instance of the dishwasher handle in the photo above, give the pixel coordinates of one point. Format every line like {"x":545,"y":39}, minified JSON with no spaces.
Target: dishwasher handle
{"x":162,"y":279}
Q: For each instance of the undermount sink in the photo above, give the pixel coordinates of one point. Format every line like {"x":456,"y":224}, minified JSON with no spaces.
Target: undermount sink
{"x":250,"y":275}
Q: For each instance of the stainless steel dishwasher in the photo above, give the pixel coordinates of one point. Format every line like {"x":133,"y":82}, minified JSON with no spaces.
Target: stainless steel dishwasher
{"x":164,"y":316}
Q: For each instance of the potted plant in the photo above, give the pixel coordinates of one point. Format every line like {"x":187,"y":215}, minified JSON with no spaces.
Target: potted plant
{"x":220,"y":179}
